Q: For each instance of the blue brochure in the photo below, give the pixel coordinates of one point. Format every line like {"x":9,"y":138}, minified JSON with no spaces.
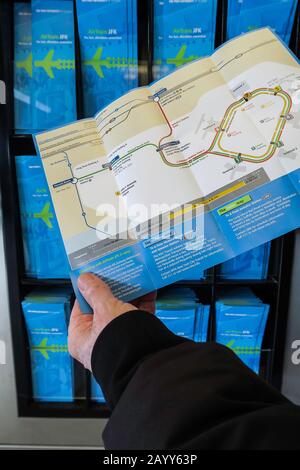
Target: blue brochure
{"x":180,"y":319}
{"x":201,"y":323}
{"x":240,"y":324}
{"x":96,"y":392}
{"x":181,"y":312}
{"x":22,"y":67}
{"x":51,"y":365}
{"x":53,"y":53}
{"x":183,"y":31}
{"x":252,"y":264}
{"x":184,"y":174}
{"x":108,"y":49}
{"x":44,"y":252}
{"x":247,"y":15}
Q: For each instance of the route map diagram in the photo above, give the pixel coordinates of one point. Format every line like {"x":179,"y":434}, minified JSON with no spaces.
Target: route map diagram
{"x":208,"y":135}
{"x":216,"y":147}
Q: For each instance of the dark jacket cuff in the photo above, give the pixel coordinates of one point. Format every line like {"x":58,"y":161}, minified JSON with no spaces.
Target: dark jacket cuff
{"x":123,"y":344}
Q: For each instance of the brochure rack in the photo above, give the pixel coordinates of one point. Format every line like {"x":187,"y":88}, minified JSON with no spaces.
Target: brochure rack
{"x":274,"y":290}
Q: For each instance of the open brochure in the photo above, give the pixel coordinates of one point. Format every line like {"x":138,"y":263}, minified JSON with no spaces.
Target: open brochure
{"x":183,"y":174}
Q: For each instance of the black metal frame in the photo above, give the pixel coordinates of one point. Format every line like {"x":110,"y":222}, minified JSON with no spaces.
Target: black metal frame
{"x":274,"y":290}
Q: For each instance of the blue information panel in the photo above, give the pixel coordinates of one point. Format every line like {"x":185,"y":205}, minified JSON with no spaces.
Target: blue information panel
{"x":246,"y":15}
{"x":53,"y":55}
{"x":108,"y":46}
{"x":183,"y":31}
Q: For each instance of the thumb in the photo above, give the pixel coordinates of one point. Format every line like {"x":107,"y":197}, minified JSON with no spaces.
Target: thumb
{"x":93,"y":289}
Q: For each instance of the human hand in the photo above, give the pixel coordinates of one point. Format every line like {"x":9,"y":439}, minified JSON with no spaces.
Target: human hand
{"x":84,"y":329}
{"x":146,"y":302}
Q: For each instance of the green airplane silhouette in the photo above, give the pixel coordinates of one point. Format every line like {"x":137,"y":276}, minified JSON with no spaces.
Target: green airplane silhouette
{"x":242,"y":350}
{"x":97,"y":62}
{"x":44,"y":349}
{"x":25,"y":64}
{"x":180,"y":59}
{"x":45,"y":215}
{"x":59,"y":64}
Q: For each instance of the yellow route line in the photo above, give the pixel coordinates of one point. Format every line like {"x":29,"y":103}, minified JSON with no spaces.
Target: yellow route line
{"x":279,"y":124}
{"x":211,"y":199}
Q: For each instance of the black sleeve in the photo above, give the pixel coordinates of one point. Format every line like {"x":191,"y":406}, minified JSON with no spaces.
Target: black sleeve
{"x":166,"y":392}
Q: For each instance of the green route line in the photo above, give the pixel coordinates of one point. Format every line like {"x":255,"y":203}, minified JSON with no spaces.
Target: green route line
{"x":277,"y":133}
{"x":90,"y":174}
{"x":225,"y":120}
{"x":227,"y":116}
{"x":121,"y":158}
{"x":219,"y":134}
{"x":194,"y":158}
{"x":83,"y":213}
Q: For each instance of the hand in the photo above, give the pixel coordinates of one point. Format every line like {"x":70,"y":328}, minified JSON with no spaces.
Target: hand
{"x":147,"y":302}
{"x":84,"y":329}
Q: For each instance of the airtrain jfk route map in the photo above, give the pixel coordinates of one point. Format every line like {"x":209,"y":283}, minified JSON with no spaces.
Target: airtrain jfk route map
{"x":205,"y":134}
{"x":216,"y":148}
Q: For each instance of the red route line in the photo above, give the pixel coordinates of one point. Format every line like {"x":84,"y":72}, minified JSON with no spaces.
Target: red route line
{"x":208,"y":151}
{"x":169,"y":125}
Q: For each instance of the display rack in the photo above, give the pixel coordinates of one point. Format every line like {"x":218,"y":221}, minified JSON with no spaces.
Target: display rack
{"x":274,"y":290}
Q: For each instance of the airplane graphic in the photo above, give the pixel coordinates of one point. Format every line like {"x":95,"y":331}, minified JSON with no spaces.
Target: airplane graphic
{"x":97,"y":62}
{"x":242,"y":350}
{"x":26,"y":64}
{"x":45,"y":215}
{"x":44,"y":349}
{"x":48,"y":63}
{"x":179,"y":59}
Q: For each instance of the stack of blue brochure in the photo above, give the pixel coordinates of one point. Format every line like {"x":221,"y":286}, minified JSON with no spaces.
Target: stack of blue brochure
{"x":252,"y":264}
{"x":183,"y":31}
{"x":44,"y":67}
{"x":108,"y":49}
{"x":46,"y":316}
{"x":246,"y":15}
{"x":179,"y":309}
{"x":240,"y":324}
{"x":44,"y":252}
{"x":22,"y":67}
